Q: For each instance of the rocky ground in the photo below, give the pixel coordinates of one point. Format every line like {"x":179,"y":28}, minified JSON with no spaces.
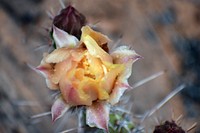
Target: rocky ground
{"x":166,"y":33}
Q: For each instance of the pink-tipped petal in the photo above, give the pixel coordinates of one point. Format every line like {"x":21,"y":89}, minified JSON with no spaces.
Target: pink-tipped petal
{"x":124,"y":54}
{"x":63,"y":39}
{"x":47,"y":74}
{"x":44,"y":70}
{"x":97,"y":115}
{"x":58,"y":109}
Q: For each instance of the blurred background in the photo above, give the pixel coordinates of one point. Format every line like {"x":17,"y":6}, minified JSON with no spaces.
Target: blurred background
{"x":165,"y":32}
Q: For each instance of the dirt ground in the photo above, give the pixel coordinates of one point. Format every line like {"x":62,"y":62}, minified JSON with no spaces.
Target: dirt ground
{"x":165,"y":32}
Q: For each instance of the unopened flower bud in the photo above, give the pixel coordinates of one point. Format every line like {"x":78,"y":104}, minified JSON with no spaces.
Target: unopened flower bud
{"x":70,"y":20}
{"x":168,"y":127}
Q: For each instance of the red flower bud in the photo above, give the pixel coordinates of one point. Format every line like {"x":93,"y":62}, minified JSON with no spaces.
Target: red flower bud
{"x":70,"y":20}
{"x":168,"y":127}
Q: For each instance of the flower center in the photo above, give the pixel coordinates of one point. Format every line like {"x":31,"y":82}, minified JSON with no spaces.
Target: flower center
{"x":92,"y":66}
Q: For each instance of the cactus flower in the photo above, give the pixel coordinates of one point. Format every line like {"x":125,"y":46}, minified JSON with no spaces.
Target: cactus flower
{"x":86,"y":74}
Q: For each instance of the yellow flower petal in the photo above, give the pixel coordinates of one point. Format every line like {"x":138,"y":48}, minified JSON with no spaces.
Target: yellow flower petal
{"x":94,"y":49}
{"x":58,"y":55}
{"x":108,"y":81}
{"x":60,"y":69}
{"x":122,"y":55}
{"x":95,"y":67}
{"x":90,"y":88}
{"x":97,"y":36}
